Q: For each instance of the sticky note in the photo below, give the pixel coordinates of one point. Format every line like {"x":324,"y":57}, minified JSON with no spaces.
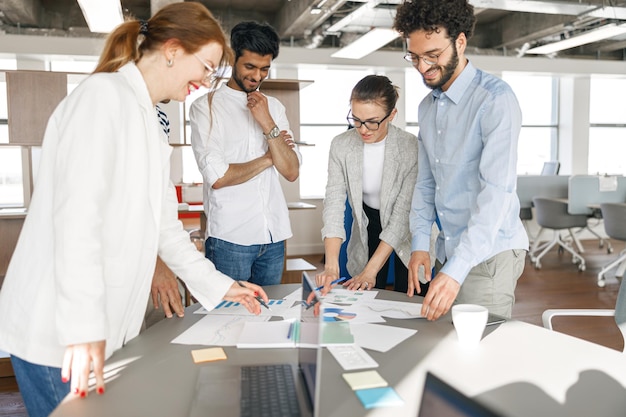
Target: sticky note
{"x":208,"y":355}
{"x":364,"y":380}
{"x":379,"y":397}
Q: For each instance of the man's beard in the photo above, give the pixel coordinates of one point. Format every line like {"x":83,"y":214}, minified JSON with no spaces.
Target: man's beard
{"x":239,"y":82}
{"x":446,"y":71}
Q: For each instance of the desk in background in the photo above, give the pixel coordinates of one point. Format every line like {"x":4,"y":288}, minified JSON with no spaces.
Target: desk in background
{"x":587,"y":191}
{"x":529,"y":186}
{"x":519,"y":368}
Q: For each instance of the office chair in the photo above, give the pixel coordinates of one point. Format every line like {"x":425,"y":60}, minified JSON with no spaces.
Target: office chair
{"x":614,"y":216}
{"x":552,"y":214}
{"x":619,"y":313}
{"x":525,"y":215}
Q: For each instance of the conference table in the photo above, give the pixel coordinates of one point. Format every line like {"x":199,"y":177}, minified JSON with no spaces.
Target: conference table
{"x":518,"y":369}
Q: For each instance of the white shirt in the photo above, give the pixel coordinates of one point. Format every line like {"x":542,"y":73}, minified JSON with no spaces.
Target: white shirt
{"x":373,"y":160}
{"x":251,"y":213}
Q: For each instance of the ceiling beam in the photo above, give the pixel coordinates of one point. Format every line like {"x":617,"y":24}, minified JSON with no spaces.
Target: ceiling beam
{"x":295,"y":17}
{"x":22,"y":12}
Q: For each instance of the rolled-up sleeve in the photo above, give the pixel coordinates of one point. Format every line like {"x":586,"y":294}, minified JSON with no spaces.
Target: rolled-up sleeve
{"x":205,"y":141}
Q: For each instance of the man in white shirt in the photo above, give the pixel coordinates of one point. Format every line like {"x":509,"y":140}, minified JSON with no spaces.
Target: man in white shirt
{"x":241,"y":141}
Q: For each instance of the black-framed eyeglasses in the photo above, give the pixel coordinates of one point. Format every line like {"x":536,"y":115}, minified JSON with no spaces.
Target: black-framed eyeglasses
{"x":428,"y":59}
{"x":369,"y":124}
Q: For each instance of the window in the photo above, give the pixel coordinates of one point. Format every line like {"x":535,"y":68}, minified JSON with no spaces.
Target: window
{"x":414,"y":92}
{"x":11,"y":188}
{"x":324,"y":106}
{"x":607,"y":130}
{"x":537,"y":96}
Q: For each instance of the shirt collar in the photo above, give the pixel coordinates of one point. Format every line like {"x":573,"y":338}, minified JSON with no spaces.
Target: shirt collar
{"x":460,"y":85}
{"x":137,"y":83}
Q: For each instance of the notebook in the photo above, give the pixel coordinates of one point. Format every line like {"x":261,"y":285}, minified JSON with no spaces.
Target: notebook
{"x":441,"y":399}
{"x":218,"y":386}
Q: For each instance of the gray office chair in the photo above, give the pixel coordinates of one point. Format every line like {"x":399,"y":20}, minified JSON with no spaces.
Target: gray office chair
{"x":614,"y":216}
{"x":552,"y":214}
{"x":619,"y":313}
{"x":526,"y":215}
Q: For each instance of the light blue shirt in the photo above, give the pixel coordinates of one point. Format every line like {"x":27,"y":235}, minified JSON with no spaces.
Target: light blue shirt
{"x":467,"y":172}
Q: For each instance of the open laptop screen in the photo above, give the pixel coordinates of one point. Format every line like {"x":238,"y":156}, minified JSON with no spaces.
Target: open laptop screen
{"x":308,"y":357}
{"x":441,"y":399}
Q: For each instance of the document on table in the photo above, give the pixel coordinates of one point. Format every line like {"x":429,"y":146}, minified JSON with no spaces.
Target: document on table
{"x":379,"y":337}
{"x":391,"y":309}
{"x":216,"y":330}
{"x":271,"y":334}
{"x":348,"y":297}
{"x":231,"y":308}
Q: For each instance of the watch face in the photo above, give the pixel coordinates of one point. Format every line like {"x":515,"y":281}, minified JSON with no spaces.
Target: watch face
{"x":275,"y":132}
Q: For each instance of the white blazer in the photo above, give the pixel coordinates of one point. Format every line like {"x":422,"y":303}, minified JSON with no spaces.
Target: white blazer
{"x":103,"y":207}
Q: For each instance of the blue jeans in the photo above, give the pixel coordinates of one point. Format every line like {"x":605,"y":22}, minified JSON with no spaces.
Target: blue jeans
{"x":41,"y":386}
{"x":259,"y":264}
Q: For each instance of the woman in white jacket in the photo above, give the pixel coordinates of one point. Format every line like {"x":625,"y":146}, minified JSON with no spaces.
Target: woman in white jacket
{"x":103,"y":209}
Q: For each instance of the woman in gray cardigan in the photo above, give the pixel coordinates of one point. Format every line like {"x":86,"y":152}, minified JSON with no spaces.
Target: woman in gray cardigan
{"x":374,"y":165}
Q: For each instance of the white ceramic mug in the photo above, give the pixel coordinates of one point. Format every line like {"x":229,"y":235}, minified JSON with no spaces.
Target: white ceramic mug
{"x":469,"y":321}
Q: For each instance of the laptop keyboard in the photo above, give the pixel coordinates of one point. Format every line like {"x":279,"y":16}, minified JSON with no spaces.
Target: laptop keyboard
{"x":268,"y":390}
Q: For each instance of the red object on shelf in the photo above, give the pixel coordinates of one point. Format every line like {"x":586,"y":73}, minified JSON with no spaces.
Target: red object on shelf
{"x":179,"y":196}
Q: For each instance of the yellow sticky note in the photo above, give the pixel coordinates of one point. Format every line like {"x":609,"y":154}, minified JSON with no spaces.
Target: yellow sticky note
{"x":208,"y":355}
{"x":364,"y":380}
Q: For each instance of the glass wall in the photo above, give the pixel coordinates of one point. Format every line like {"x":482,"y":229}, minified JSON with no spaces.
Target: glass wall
{"x":538,"y":99}
{"x":324,"y":106}
{"x":607,"y":126}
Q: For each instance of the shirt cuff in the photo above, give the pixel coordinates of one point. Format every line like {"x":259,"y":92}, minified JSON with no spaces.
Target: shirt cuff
{"x":457,"y":268}
{"x":420,"y":242}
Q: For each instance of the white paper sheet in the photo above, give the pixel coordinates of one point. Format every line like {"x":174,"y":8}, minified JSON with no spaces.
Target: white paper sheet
{"x":347,"y":297}
{"x":216,"y":330}
{"x":391,"y":309}
{"x":378,"y":336}
{"x":231,"y":308}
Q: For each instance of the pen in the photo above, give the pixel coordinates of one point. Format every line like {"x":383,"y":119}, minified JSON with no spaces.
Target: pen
{"x":258,"y":297}
{"x":337,"y":281}
{"x":290,"y":332}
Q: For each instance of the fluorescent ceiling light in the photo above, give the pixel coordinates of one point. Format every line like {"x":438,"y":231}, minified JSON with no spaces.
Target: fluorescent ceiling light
{"x":366,"y":44}
{"x":604,"y":32}
{"x":102,"y":16}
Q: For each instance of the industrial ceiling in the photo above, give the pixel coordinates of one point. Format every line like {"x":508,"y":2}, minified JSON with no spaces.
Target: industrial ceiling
{"x":504,"y":27}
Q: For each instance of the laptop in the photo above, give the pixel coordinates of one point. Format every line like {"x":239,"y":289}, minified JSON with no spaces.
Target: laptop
{"x":441,"y":399}
{"x":219,"y":387}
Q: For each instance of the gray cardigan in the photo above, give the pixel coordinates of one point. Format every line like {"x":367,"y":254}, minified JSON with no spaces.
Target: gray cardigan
{"x":345,"y":177}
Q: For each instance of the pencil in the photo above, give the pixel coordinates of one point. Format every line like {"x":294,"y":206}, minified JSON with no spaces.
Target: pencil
{"x":258,"y":297}
{"x":337,"y":281}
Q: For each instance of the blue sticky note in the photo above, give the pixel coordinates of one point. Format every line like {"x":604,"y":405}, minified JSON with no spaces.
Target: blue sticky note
{"x":379,"y":397}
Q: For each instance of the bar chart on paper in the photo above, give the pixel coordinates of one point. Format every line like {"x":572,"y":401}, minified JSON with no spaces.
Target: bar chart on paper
{"x":233,"y":308}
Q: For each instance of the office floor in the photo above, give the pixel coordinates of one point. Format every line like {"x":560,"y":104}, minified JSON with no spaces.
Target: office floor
{"x":557,"y":285}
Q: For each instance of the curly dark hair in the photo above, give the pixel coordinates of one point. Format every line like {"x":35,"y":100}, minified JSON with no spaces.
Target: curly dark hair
{"x":456,"y":16}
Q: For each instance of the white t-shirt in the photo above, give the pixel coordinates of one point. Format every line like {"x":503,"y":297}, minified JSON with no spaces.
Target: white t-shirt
{"x":373,"y":160}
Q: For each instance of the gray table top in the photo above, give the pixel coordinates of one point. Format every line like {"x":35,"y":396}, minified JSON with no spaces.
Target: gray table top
{"x":152,"y":377}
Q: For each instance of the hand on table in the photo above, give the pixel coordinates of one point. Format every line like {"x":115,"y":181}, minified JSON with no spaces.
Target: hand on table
{"x":440,"y":296}
{"x":165,"y":291}
{"x":418,"y":259}
{"x":77,"y":365}
{"x":325,"y":279}
{"x":363,"y":281}
{"x":246,"y":295}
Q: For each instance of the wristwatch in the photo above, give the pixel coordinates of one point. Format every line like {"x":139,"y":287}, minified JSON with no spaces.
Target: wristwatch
{"x":272,"y":134}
